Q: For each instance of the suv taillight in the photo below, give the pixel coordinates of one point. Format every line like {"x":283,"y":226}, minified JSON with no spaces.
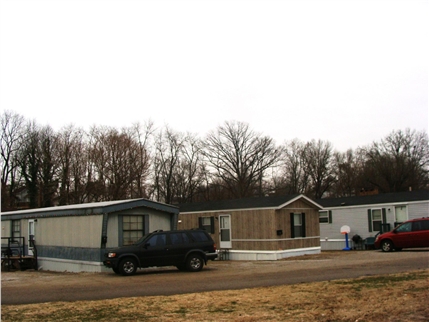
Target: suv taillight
{"x":214,"y":247}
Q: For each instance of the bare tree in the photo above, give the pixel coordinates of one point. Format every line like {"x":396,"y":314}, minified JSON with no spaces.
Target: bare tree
{"x":110,"y":158}
{"x":295,"y":172}
{"x":239,"y":157}
{"x":80,"y":168}
{"x":118,"y":162}
{"x":399,"y":162}
{"x":29,"y":162}
{"x":11,"y":137}
{"x":168,"y":147}
{"x":348,"y":170}
{"x":318,"y":158}
{"x":72,"y":153}
{"x":48,"y":166}
{"x":141,"y":134}
{"x":191,"y":169}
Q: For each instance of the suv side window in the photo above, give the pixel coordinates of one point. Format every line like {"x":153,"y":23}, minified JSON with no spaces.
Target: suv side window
{"x":157,"y":240}
{"x":179,"y":238}
{"x":421,"y":225}
{"x":199,"y":236}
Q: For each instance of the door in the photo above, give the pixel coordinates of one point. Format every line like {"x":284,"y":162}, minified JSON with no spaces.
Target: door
{"x":400,"y":215}
{"x":31,"y":236}
{"x":225,"y":231}
{"x":402,"y":236}
{"x":180,"y":245}
{"x":421,"y":233}
{"x":154,"y":251}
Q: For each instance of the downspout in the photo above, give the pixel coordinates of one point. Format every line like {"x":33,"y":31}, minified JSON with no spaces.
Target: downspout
{"x":103,"y":235}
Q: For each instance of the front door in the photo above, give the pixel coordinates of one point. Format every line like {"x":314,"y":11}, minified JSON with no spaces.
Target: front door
{"x":31,"y":236}
{"x":400,"y":214}
{"x":225,"y":231}
{"x":155,"y":251}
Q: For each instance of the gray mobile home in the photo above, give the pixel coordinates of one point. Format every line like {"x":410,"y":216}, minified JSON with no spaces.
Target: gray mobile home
{"x":73,"y":238}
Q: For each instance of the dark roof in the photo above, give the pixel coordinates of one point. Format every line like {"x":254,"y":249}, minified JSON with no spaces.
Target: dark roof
{"x":382,"y":198}
{"x":89,"y":209}
{"x":275,"y":202}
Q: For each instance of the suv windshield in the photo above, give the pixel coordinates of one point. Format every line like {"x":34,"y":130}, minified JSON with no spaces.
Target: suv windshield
{"x":141,"y":239}
{"x":406,"y":227}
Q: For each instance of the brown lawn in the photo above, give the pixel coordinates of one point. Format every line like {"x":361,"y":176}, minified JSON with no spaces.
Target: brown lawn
{"x":399,"y":297}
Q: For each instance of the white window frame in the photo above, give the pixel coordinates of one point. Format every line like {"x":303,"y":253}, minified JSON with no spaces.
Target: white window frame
{"x":373,"y":220}
{"x":324,"y":217}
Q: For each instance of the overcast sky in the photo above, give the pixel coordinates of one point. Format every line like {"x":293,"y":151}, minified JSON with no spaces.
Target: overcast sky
{"x":348,"y":72}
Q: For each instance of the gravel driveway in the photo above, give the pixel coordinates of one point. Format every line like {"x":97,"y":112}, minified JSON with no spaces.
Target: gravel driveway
{"x":41,"y":286}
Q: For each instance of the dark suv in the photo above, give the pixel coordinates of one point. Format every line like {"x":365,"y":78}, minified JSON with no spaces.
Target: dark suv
{"x":186,"y":249}
{"x":411,"y":234}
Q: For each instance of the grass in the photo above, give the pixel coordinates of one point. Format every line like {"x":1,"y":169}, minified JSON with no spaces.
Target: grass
{"x":384,"y":281}
{"x":399,"y":297}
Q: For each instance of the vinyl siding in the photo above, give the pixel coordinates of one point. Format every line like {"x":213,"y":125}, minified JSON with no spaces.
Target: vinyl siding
{"x":74,"y":231}
{"x":357,"y":218}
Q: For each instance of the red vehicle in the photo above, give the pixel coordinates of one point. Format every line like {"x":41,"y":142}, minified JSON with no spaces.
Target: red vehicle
{"x":410,"y":234}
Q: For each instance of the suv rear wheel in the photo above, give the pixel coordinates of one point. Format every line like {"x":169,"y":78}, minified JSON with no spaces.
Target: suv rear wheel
{"x":386,"y":246}
{"x":127,"y":266}
{"x":194,"y":263}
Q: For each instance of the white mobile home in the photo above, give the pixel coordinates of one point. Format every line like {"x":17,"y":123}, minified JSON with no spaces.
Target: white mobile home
{"x":74,"y":238}
{"x":368,"y":215}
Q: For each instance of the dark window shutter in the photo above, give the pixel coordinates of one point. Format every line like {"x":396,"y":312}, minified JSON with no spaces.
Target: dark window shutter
{"x":330,"y":216}
{"x":292,"y":226}
{"x":200,"y":222}
{"x":383,"y":211}
{"x":211,"y":225}
{"x":369,"y":220}
{"x":146,"y":224}
{"x":303,"y":225}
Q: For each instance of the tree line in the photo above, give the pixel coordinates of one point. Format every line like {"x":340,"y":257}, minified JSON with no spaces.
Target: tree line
{"x":70,"y":166}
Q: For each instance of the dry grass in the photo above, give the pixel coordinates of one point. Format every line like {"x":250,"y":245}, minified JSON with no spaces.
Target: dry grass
{"x":399,"y":297}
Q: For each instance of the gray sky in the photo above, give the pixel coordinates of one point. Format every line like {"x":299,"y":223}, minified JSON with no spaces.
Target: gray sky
{"x":348,"y":72}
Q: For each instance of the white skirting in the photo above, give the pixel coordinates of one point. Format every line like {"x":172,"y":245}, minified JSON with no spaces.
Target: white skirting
{"x":73,"y":266}
{"x":264,"y":255}
{"x":335,"y":244}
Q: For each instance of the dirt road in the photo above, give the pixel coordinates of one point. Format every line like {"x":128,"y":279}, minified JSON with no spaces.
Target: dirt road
{"x":39,"y":286}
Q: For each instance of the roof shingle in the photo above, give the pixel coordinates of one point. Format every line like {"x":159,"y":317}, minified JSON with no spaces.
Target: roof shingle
{"x":382,"y":198}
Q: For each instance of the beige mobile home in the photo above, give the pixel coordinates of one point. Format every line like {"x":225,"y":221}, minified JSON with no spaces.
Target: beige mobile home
{"x":266,"y":228}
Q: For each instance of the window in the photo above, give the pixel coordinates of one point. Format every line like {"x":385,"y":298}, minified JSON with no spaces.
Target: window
{"x":179,"y":238}
{"x":376,"y":220}
{"x":158,"y":240}
{"x":297,"y":225}
{"x":16,"y":229}
{"x":199,"y":236}
{"x":132,"y":229}
{"x":206,"y":223}
{"x":404,"y":228}
{"x":421,"y":225}
{"x":325,"y":217}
